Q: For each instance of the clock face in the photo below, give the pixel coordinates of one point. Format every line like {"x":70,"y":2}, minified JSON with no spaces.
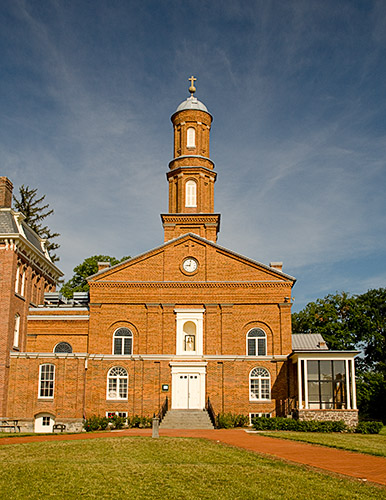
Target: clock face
{"x":190,"y":265}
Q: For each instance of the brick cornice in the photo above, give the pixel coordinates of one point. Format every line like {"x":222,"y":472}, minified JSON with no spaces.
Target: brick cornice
{"x":185,"y":284}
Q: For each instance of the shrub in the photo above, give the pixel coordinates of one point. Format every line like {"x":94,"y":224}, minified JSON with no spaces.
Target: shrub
{"x":290,"y":424}
{"x":369,"y":427}
{"x":231,"y":420}
{"x":96,"y":423}
{"x":117,"y":421}
{"x":141,"y":422}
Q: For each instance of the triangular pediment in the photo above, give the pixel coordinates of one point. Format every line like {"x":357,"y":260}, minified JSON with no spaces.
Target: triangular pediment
{"x":214,"y":264}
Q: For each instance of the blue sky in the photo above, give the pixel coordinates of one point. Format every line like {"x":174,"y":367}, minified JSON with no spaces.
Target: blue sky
{"x":297,"y":90}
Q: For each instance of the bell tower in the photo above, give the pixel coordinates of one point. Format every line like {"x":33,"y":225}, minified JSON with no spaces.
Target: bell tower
{"x":191,"y":173}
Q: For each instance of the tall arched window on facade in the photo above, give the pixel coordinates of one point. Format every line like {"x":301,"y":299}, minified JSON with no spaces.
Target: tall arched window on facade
{"x":16,"y":331}
{"x":117,"y":383}
{"x":63,"y":347}
{"x":46,"y":381}
{"x":191,"y":194}
{"x":256,"y":342}
{"x":259,"y":384}
{"x":123,"y":342}
{"x":191,"y":138}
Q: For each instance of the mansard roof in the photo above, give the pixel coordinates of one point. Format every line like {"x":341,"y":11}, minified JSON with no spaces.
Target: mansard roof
{"x":13,"y":229}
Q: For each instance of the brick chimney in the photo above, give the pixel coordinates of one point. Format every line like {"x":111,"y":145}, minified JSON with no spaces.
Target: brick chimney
{"x":276,"y":265}
{"x":103,"y":265}
{"x":6,"y":188}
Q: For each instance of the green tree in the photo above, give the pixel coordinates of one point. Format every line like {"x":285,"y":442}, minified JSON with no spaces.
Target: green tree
{"x":78,"y":283}
{"x":35,"y":212}
{"x":331,"y":317}
{"x":354,"y":322}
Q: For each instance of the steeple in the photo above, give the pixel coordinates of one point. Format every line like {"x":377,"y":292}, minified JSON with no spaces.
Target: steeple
{"x":191,"y":173}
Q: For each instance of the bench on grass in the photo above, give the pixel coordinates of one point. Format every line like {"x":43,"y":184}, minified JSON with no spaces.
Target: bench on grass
{"x":6,"y":423}
{"x":59,"y":427}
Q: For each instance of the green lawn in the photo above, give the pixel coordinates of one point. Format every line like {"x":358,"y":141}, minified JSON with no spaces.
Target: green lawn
{"x":146,"y":468}
{"x":372,"y":444}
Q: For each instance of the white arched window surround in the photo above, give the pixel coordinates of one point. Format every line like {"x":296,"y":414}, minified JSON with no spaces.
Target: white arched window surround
{"x":46,"y":381}
{"x":117,"y":383}
{"x":259,"y":384}
{"x":256,"y":342}
{"x":123,"y":341}
{"x":191,"y":137}
{"x":191,"y":193}
{"x":189,"y":322}
{"x":16,"y":331}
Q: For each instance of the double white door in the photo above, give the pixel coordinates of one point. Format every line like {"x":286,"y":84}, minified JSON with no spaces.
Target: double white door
{"x":187,"y":391}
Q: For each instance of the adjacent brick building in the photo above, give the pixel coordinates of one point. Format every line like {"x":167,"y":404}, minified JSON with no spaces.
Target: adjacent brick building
{"x":188,"y":320}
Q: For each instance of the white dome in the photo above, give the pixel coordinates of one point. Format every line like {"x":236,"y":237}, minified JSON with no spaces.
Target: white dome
{"x":192,"y":103}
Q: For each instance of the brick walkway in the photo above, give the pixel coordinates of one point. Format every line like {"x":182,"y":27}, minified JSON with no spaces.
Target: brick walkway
{"x":356,"y":465}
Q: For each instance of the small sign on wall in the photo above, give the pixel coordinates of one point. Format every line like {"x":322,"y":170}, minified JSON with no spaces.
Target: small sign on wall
{"x":165,"y":387}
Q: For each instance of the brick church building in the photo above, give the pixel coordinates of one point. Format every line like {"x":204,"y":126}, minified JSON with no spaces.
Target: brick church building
{"x":189,"y":321}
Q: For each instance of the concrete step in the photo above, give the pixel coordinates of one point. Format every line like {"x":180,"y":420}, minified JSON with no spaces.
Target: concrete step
{"x":186,"y":419}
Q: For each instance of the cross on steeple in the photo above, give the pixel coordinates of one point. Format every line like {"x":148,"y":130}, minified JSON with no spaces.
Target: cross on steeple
{"x":192,"y":88}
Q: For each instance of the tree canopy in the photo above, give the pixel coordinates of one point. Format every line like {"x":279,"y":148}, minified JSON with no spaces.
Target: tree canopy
{"x":35,"y":212}
{"x":354,"y":322}
{"x":78,"y":282}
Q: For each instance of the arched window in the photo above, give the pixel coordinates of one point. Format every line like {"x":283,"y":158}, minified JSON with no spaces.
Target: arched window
{"x":191,"y":138}
{"x":123,"y":341}
{"x":256,"y":342}
{"x":189,"y":336}
{"x":191,"y":194}
{"x":259,"y":384}
{"x":63,"y":347}
{"x":117,"y":383}
{"x":46,"y":381}
{"x":16,"y":331}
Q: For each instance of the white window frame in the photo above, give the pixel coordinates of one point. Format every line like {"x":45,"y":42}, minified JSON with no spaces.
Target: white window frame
{"x":123,"y":414}
{"x":258,"y":415}
{"x":22,"y":283}
{"x":261,"y":388}
{"x":17,"y":281}
{"x":191,"y":137}
{"x":124,"y":338}
{"x":120,"y":379}
{"x":191,"y":193}
{"x":257,"y":343}
{"x":195,"y":316}
{"x":16,"y":332}
{"x":50,"y":382}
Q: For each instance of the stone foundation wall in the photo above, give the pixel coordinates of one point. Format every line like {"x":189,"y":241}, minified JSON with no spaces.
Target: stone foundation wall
{"x":349,"y":417}
{"x":72,"y":425}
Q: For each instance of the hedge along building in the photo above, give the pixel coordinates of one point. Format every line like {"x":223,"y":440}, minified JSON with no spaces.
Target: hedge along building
{"x":188,"y":320}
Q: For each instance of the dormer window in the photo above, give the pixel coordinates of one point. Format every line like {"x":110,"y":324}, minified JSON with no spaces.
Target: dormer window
{"x":191,"y":138}
{"x":191,"y":194}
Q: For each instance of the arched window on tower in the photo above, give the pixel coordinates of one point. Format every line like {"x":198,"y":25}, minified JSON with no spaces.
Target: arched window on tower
{"x":191,"y":138}
{"x":191,"y":194}
{"x":256,"y":342}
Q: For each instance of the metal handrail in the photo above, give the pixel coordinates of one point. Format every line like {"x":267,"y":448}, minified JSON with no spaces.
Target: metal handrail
{"x":163,"y":410}
{"x":211,"y":413}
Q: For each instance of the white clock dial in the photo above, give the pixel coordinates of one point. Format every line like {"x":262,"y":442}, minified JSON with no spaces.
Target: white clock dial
{"x":190,"y":265}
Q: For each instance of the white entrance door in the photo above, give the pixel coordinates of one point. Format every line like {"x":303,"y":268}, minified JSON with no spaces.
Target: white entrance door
{"x":187,"y":391}
{"x":44,"y":422}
